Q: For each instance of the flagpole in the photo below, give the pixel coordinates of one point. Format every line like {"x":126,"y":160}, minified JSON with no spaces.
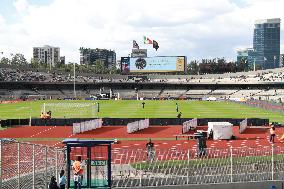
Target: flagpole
{"x":254,"y":64}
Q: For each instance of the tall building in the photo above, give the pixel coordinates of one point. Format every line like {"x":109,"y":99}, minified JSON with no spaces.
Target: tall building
{"x":47,"y":55}
{"x":89,"y":56}
{"x":246,"y":55}
{"x":62,"y":60}
{"x":266,"y":43}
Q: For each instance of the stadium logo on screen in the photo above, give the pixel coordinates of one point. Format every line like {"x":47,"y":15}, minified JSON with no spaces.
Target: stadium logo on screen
{"x":140,"y":63}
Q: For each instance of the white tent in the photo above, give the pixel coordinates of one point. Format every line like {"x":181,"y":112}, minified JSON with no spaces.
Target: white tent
{"x":221,"y":130}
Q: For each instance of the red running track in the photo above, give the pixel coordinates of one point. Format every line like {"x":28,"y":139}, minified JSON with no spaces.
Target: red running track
{"x":252,"y":137}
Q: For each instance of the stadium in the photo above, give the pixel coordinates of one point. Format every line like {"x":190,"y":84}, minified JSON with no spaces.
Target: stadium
{"x":47,"y":120}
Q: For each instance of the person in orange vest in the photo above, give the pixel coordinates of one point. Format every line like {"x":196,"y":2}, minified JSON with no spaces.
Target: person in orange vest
{"x":272,"y":134}
{"x":78,"y":173}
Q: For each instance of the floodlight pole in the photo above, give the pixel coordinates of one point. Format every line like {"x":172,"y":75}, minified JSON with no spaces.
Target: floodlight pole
{"x":74,"y":81}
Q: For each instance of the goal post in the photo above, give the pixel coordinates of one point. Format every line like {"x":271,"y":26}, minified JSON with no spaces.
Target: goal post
{"x":70,"y":109}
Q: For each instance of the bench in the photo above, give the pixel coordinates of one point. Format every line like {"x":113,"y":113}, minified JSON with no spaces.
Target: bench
{"x":189,"y":136}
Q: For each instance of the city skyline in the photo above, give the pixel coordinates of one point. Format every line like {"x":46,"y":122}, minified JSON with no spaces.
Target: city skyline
{"x":203,"y":29}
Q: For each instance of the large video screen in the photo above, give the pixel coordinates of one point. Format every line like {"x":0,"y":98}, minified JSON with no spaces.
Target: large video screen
{"x":153,"y":64}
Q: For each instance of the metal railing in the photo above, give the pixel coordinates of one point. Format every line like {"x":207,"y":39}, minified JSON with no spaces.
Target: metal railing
{"x":28,"y":166}
{"x":132,"y":168}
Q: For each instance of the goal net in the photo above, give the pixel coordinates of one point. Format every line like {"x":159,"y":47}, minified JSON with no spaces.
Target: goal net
{"x":70,"y":109}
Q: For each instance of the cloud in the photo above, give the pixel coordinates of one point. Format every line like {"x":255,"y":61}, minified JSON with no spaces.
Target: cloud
{"x":21,"y":5}
{"x":197,"y":29}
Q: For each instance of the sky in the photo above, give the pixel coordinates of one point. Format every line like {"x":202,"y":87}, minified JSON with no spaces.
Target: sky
{"x":193,"y":28}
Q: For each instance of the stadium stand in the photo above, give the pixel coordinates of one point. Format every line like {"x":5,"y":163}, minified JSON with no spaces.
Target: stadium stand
{"x":24,"y":84}
{"x":267,"y":76}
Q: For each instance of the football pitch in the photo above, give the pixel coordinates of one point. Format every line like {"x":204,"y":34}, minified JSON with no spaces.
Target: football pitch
{"x":133,"y":109}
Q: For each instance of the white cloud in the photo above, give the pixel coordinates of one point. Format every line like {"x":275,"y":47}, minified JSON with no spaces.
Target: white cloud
{"x":197,"y":29}
{"x":21,"y":5}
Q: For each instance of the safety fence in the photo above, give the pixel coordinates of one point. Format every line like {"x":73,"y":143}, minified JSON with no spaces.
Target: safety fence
{"x":87,"y":126}
{"x":133,"y":168}
{"x":28,"y":166}
{"x":243,"y":125}
{"x":137,"y":125}
{"x":189,"y":125}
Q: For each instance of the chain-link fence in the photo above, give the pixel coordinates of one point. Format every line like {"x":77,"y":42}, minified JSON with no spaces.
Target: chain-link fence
{"x":132,"y":168}
{"x":28,"y":166}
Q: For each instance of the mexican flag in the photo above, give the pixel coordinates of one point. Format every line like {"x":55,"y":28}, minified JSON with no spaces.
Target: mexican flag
{"x":147,"y":40}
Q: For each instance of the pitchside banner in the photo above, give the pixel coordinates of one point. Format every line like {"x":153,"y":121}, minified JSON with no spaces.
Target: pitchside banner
{"x":153,"y":64}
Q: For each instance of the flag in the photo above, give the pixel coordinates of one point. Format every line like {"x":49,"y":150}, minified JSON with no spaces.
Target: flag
{"x":264,"y":58}
{"x":274,"y":57}
{"x":155,"y":45}
{"x":147,"y":40}
{"x":135,"y":45}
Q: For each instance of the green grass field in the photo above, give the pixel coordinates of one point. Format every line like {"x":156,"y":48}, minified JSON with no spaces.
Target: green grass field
{"x":133,"y":109}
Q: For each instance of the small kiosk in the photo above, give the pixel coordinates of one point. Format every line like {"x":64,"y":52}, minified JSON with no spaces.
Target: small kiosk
{"x":95,"y":158}
{"x":221,"y":130}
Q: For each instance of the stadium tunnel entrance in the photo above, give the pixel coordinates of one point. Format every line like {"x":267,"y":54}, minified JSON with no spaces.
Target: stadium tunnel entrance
{"x":88,"y":163}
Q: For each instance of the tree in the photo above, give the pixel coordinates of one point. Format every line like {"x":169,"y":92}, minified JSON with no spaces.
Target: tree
{"x":243,"y":65}
{"x":35,"y":63}
{"x":193,"y":68}
{"x":5,"y":60}
{"x":99,"y":67}
{"x":19,"y":59}
{"x":114,"y":70}
{"x":212,"y":66}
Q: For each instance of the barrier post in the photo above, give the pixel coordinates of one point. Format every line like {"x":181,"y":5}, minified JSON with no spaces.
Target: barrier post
{"x":141,"y":174}
{"x":46,"y":179}
{"x":56,"y":165}
{"x":272,"y":161}
{"x":0,"y":163}
{"x":187,"y":173}
{"x":33,"y":166}
{"x":231,"y":158}
{"x":19,"y":173}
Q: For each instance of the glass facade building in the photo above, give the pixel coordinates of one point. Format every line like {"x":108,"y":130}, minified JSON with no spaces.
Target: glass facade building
{"x":266,"y":43}
{"x":246,"y":55}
